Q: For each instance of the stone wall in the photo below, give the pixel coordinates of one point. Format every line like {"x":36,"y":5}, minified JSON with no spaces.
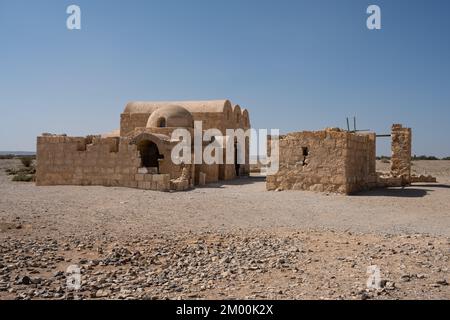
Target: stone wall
{"x":65,"y":160}
{"x":131,"y":121}
{"x":324,"y":161}
{"x":360,"y":162}
{"x":401,"y":153}
{"x":98,"y":161}
{"x":157,"y":182}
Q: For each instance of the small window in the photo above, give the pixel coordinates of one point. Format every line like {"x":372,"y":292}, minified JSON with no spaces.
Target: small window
{"x":161,"y":123}
{"x":237,"y":118}
{"x":305,"y":151}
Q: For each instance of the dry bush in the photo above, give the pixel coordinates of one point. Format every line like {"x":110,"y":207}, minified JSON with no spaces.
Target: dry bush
{"x":26,"y":161}
{"x":23,"y":177}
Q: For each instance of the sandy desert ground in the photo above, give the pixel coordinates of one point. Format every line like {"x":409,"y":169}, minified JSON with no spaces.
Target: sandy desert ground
{"x":232,"y":240}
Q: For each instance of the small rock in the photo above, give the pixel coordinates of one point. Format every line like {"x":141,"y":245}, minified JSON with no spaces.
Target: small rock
{"x":442,"y":282}
{"x":25,"y":280}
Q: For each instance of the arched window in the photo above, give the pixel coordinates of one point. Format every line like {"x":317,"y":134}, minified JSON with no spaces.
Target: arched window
{"x":161,"y":123}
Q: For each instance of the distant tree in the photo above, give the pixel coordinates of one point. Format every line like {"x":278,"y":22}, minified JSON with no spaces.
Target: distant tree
{"x":423,"y":157}
{"x":446,"y":158}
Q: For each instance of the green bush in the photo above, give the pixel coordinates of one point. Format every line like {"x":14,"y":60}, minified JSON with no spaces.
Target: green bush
{"x":446,"y":158}
{"x":25,"y":173}
{"x":23,"y":177}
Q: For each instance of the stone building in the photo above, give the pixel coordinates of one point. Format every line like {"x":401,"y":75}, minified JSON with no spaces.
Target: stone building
{"x":334,"y":160}
{"x":138,"y":155}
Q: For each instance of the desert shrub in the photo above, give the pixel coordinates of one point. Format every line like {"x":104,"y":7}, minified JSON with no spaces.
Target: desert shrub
{"x":25,"y":173}
{"x":26,"y":161}
{"x":11,"y":171}
{"x":23,"y":177}
{"x":423,"y":157}
{"x":446,"y":158}
{"x":6,"y":156}
{"x":385,"y":161}
{"x":24,"y":170}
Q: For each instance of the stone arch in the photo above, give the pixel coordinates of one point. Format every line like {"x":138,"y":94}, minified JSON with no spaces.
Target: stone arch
{"x":245,"y":118}
{"x":149,"y":153}
{"x":237,"y":115}
{"x":228,"y":112}
{"x":150,"y":148}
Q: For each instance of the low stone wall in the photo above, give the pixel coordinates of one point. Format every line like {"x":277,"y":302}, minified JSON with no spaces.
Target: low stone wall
{"x":65,"y":160}
{"x":157,"y":182}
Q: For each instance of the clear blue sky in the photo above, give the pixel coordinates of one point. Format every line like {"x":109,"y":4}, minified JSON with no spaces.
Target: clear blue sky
{"x":296,"y":65}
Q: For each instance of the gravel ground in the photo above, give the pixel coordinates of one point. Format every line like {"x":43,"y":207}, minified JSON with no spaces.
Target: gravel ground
{"x":224,"y":241}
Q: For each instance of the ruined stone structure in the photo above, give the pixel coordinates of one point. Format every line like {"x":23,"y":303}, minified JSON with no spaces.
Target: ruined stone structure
{"x":339,"y":161}
{"x":331,"y":160}
{"x":139,"y":154}
{"x":401,"y":154}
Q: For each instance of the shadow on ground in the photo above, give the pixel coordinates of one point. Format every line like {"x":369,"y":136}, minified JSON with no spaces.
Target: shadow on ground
{"x":433,"y":185}
{"x":235,"y":182}
{"x":408,"y":192}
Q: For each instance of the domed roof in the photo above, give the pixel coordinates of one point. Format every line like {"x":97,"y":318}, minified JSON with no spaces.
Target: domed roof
{"x":193,"y":106}
{"x":171,"y":116}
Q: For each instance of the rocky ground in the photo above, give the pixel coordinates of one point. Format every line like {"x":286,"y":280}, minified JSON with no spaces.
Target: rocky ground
{"x":294,"y":265}
{"x":133,"y":244}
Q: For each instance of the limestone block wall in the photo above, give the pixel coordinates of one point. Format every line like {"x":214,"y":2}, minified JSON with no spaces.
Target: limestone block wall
{"x":231,"y":117}
{"x":227,"y":172}
{"x":210,"y":120}
{"x":210,"y":170}
{"x":372,"y":153}
{"x":310,"y":161}
{"x":401,"y":153}
{"x":65,"y":160}
{"x":157,"y":182}
{"x":359,"y":163}
{"x":330,"y":160}
{"x":130,"y":121}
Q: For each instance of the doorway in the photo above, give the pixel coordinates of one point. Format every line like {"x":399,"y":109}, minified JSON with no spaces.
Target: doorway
{"x":149,"y":154}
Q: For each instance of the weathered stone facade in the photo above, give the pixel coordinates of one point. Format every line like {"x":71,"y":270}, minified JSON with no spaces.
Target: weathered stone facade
{"x":139,"y":154}
{"x":401,"y":153}
{"x":331,"y":160}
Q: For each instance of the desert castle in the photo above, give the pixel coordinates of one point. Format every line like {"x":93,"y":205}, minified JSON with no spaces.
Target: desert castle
{"x":139,"y":154}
